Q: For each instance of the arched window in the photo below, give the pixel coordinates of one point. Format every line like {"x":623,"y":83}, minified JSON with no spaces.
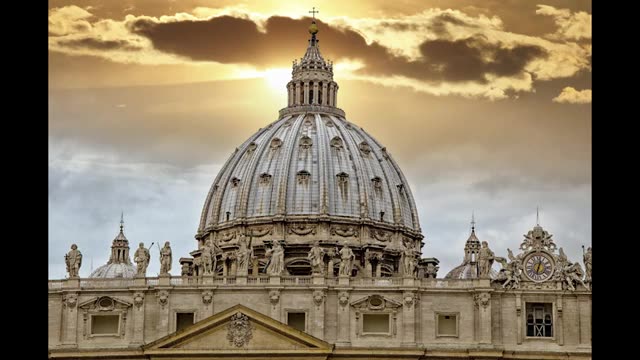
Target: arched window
{"x":299,"y":267}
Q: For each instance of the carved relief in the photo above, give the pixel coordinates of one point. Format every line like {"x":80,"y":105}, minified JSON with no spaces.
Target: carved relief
{"x":343,"y":298}
{"x":381,"y":235}
{"x":260,"y":231}
{"x":431,"y":271}
{"x":305,"y":142}
{"x":265,"y":179}
{"x":409,"y":298}
{"x":303,"y":177}
{"x":336,"y":143}
{"x":275,"y":144}
{"x":329,"y":123}
{"x":70,"y":300}
{"x":302,"y":229}
{"x":318,"y":297}
{"x":163,"y":297}
{"x":207,"y":297}
{"x":138,"y":299}
{"x":364,"y":148}
{"x":344,"y":231}
{"x":227,"y":235}
{"x":104,"y":303}
{"x":239,"y":330}
{"x":235,"y":182}
{"x":274,"y":297}
{"x":482,"y":299}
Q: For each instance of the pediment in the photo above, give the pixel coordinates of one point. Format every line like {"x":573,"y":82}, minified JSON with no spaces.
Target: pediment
{"x":238,"y":329}
{"x":375,"y":302}
{"x":104,"y":303}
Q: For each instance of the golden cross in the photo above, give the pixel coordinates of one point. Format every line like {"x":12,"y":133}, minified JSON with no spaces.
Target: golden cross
{"x":314,"y":12}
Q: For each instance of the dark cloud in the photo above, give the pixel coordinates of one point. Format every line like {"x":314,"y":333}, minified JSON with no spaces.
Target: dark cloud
{"x":97,"y":44}
{"x":449,"y":60}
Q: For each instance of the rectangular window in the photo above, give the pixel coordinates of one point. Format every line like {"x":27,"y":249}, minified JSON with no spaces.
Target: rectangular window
{"x":105,"y":324}
{"x":447,"y":325}
{"x":539,"y":320}
{"x":375,"y":323}
{"x":297,"y":320}
{"x":184,"y":319}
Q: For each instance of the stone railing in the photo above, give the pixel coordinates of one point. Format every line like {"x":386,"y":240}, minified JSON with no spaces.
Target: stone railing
{"x":56,"y":284}
{"x":297,"y":109}
{"x":105,"y":283}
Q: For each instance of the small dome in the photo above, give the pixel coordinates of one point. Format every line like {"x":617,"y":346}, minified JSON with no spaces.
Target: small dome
{"x":114,"y":270}
{"x":467,"y":271}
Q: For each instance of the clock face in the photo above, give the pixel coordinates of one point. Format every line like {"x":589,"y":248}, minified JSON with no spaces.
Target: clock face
{"x":538,"y":267}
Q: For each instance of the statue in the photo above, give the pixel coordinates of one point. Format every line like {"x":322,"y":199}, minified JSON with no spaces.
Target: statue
{"x":165,"y":259}
{"x":208,"y":255}
{"x":316,"y":257}
{"x":186,"y":270}
{"x":408,"y":261}
{"x":485,"y":260}
{"x":510,"y":273}
{"x":275,"y":267}
{"x":431,"y":271}
{"x":346,"y":260}
{"x":142,"y":257}
{"x":586,"y":258}
{"x":73,"y":259}
{"x":573,"y":272}
{"x":244,"y":254}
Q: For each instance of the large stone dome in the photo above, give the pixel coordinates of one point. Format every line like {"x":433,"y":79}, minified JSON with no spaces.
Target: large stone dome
{"x":310,"y":176}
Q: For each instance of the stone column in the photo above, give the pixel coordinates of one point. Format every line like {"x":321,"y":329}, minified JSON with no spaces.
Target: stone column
{"x":289,"y":93}
{"x":70,"y":320}
{"x":483,"y":316}
{"x":162,"y":297}
{"x":138,"y":316}
{"x":315,"y":94}
{"x":584,"y":320}
{"x":276,"y":307}
{"x":379,"y":269}
{"x":410,"y":299}
{"x":331,"y":86}
{"x":519,"y":318}
{"x":344,"y":318}
{"x":324,"y":94}
{"x":297,"y":94}
{"x":335,"y":96}
{"x":368,"y":268}
{"x":306,"y":93}
{"x":319,"y":297}
{"x":559,"y":327}
{"x":254,"y":267}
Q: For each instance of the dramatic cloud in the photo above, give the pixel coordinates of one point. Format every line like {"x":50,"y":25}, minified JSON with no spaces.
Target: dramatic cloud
{"x":571,"y":26}
{"x":436,"y":51}
{"x":573,"y":96}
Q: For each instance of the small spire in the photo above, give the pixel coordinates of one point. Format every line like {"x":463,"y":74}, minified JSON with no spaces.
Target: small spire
{"x":121,"y":221}
{"x":537,"y":216}
{"x":473,"y":222}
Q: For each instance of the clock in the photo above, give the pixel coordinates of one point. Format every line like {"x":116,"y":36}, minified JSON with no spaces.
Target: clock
{"x":538,"y":266}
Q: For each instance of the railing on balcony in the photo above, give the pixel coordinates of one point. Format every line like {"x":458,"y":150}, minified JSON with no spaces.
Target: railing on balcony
{"x":105,"y":283}
{"x":56,"y":284}
{"x":295,"y":280}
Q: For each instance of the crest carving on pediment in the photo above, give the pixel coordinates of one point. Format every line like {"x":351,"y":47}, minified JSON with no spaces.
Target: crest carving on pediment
{"x":344,"y":231}
{"x":260,"y":231}
{"x":239,"y":330}
{"x":302,"y":229}
{"x":381,"y":235}
{"x":227,"y":235}
{"x":105,"y":303}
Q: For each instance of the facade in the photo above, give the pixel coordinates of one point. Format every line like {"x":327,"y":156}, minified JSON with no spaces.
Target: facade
{"x":309,"y":247}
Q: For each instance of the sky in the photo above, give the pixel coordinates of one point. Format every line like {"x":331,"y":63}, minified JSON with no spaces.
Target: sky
{"x":485,"y":105}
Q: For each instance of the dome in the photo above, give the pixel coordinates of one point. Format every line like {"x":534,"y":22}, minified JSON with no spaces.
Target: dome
{"x":119,"y":270}
{"x":312,"y":176}
{"x":119,"y":265}
{"x":311,"y":164}
{"x":469,"y":267}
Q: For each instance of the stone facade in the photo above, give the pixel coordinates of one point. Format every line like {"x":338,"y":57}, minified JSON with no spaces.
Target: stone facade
{"x":309,"y":247}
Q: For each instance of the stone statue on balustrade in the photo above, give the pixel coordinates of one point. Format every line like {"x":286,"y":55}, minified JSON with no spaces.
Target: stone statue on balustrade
{"x":209,"y":258}
{"x":431,"y":271}
{"x":73,"y":259}
{"x":142,"y":258}
{"x":346,"y":260}
{"x":275,"y":265}
{"x":409,"y":261}
{"x":510,"y":273}
{"x":165,"y":259}
{"x":485,"y":260}
{"x":586,"y":258}
{"x":316,"y":258}
{"x":243,"y":256}
{"x":573,"y":273}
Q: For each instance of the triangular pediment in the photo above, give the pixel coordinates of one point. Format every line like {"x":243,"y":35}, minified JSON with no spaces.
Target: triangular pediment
{"x":375,"y":302}
{"x":238,"y":329}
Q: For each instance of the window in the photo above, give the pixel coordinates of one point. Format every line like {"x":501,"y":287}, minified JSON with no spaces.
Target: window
{"x":375,"y":323}
{"x":184,"y":320}
{"x":297,"y":320}
{"x":447,"y":325}
{"x":539,"y":320}
{"x":105,"y":324}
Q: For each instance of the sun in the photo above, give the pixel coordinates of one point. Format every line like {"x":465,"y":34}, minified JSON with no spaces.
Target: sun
{"x":277,"y":78}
